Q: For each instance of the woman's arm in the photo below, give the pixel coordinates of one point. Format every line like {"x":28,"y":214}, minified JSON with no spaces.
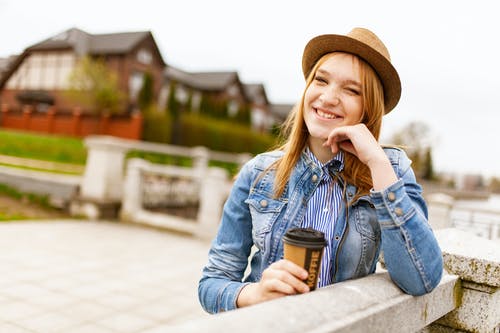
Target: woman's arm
{"x":411,"y":252}
{"x":221,"y":281}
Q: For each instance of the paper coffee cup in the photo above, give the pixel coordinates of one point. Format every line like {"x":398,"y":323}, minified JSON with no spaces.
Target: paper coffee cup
{"x":304,"y":247}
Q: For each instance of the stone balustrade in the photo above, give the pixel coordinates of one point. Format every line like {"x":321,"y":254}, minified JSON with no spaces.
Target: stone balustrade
{"x":209,"y":188}
{"x":101,"y":190}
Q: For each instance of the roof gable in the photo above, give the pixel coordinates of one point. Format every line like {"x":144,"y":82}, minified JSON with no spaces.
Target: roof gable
{"x":208,"y":81}
{"x":94,"y":44}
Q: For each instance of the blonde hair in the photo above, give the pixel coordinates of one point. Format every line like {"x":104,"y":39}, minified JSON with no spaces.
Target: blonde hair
{"x":296,"y":133}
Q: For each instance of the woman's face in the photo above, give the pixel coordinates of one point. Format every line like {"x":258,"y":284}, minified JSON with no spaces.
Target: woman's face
{"x":333,"y":98}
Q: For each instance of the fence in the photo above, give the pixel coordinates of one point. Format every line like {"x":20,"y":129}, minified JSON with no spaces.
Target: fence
{"x":106,"y":185}
{"x":74,"y":123}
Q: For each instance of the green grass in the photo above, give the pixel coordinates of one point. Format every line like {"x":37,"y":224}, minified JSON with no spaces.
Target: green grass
{"x":72,"y":150}
{"x":41,"y":200}
{"x":11,"y":217}
{"x":42,"y":147}
{"x":59,"y":172}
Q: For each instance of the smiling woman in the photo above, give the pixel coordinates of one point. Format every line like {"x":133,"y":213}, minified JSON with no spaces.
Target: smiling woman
{"x":330,"y":175}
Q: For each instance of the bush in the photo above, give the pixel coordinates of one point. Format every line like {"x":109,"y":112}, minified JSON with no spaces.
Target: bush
{"x":222,"y":135}
{"x":157,"y":127}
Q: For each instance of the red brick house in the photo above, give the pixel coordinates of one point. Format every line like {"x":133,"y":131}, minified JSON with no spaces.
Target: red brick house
{"x":39,"y":75}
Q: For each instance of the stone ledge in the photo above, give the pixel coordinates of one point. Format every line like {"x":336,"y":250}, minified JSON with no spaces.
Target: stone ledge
{"x":472,"y":258}
{"x":351,"y":306}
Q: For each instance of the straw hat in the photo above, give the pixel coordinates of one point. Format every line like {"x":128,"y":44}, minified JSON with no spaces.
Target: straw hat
{"x":364,"y":44}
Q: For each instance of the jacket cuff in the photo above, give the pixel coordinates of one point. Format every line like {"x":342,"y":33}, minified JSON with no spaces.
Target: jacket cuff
{"x":393,"y":205}
{"x":229,"y":295}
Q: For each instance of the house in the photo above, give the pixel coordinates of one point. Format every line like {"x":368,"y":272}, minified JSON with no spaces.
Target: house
{"x":39,"y":76}
{"x":280,"y":112}
{"x":34,"y":86}
{"x":223,"y":87}
{"x":260,"y":114}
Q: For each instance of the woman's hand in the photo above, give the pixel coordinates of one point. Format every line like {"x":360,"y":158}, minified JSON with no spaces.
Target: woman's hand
{"x":279,"y":279}
{"x":359,"y":141}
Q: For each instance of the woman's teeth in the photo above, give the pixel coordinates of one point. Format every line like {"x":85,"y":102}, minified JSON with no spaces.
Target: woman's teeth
{"x":326,"y":115}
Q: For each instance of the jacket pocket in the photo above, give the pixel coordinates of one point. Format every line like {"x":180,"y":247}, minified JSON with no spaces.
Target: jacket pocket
{"x":366,"y":220}
{"x":368,"y":228}
{"x":264,"y":212}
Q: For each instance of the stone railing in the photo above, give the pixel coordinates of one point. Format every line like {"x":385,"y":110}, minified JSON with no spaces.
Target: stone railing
{"x":101,"y":190}
{"x":203,"y":190}
{"x":466,"y":300}
{"x":446,"y":212}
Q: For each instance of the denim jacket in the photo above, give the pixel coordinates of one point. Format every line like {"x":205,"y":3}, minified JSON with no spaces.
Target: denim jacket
{"x":393,"y":220}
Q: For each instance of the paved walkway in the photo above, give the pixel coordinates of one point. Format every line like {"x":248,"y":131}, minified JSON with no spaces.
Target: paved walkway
{"x":78,"y":276}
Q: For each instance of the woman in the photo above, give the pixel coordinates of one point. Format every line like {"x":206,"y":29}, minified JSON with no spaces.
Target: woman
{"x":332,"y":175}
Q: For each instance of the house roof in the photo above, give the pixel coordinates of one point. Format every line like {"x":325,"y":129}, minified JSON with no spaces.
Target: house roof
{"x":253,"y":91}
{"x":207,"y":81}
{"x":5,"y":64}
{"x":98,"y":44}
{"x":84,"y":43}
{"x":281,"y":110}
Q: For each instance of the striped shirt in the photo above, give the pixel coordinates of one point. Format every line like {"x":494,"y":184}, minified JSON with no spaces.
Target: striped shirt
{"x":322,"y":211}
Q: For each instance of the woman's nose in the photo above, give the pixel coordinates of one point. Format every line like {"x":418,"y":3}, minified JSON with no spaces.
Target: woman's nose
{"x":330,"y":97}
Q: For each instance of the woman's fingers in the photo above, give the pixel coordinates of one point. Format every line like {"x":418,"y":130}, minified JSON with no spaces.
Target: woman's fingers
{"x":280,"y":279}
{"x":285,"y":277}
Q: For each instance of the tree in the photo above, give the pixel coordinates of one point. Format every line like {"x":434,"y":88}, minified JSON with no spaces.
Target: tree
{"x":416,"y":138}
{"x":95,"y":86}
{"x":174,"y":109}
{"x":427,"y":165}
{"x":146,"y":94}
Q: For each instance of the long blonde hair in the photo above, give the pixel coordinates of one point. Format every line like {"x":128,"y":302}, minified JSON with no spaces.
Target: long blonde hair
{"x":296,"y":133}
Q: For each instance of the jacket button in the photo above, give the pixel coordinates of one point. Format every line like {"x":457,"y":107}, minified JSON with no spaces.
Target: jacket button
{"x":398,"y":211}
{"x":315,"y":178}
{"x":391,"y":196}
{"x":263,"y":203}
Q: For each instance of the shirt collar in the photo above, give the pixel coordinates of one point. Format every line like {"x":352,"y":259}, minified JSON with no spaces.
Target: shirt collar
{"x":336,"y":164}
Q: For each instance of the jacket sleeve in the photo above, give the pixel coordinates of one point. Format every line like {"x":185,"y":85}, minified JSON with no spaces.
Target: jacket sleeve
{"x":411,"y":252}
{"x":221,"y":281}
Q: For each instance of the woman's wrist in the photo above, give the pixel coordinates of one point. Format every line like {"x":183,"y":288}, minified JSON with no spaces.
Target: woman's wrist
{"x":245,"y":297}
{"x":382,"y":173}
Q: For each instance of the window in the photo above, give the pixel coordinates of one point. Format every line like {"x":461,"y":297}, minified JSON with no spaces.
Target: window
{"x":43,"y":71}
{"x":135,"y":84}
{"x":144,"y":56}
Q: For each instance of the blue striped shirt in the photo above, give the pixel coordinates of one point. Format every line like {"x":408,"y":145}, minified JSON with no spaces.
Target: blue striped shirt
{"x":322,"y":212}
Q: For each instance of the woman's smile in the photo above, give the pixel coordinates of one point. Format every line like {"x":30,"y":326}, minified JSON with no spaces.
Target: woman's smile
{"x":327,"y":115}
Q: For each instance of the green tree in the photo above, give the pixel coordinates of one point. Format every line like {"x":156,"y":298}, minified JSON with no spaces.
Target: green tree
{"x":95,"y":86}
{"x":174,"y":110}
{"x":146,"y":94}
{"x":427,"y":166}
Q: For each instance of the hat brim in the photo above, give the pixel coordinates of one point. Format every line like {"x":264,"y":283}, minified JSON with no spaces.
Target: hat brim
{"x":389,"y":77}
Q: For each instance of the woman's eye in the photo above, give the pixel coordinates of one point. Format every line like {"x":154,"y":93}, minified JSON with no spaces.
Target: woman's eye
{"x":353,"y":91}
{"x":320,"y":79}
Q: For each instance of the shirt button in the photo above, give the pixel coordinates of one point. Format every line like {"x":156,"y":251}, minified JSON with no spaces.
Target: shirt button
{"x":315,"y":178}
{"x":398,"y":211}
{"x":263,"y":203}
{"x":391,"y":196}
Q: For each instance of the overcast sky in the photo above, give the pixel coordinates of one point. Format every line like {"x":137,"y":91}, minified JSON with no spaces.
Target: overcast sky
{"x":447,"y":53}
